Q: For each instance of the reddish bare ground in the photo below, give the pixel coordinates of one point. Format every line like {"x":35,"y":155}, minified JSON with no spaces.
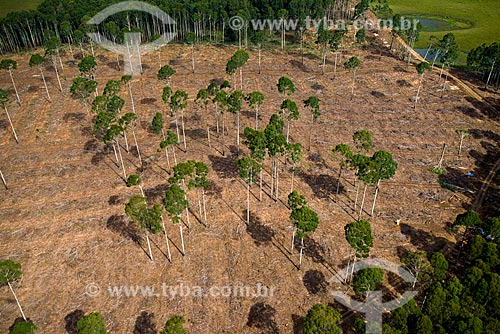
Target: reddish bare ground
{"x":63,"y":215}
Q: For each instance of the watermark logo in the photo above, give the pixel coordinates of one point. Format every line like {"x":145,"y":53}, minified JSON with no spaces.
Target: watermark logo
{"x":237,"y":23}
{"x":181,"y":290}
{"x":133,"y":49}
{"x":373,"y":307}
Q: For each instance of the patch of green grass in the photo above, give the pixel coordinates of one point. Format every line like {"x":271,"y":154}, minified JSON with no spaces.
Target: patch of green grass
{"x":7,"y":6}
{"x":473,"y":22}
{"x":437,"y":171}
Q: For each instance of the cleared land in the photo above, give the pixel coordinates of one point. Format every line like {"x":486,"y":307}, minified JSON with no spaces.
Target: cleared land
{"x":63,"y":215}
{"x":7,"y":6}
{"x":482,"y":15}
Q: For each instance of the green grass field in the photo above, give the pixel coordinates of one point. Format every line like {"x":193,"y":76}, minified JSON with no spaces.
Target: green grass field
{"x":483,"y":17}
{"x":7,"y":6}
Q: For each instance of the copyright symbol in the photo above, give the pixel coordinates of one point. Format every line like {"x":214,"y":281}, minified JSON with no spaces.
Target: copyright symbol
{"x":92,"y":290}
{"x":236,"y":23}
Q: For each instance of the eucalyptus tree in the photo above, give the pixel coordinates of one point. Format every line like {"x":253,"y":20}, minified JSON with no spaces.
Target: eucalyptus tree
{"x":359,"y":236}
{"x":178,"y":102}
{"x":111,"y":136}
{"x":212,"y":90}
{"x":275,"y":144}
{"x":112,"y":87}
{"x":37,"y":61}
{"x":285,"y":86}
{"x":125,"y":121}
{"x":4,"y":98}
{"x":290,"y":111}
{"x":184,"y":173}
{"x":248,"y":168}
{"x":202,"y":100}
{"x":324,"y":36}
{"x":175,"y":202}
{"x":295,"y":200}
{"x":369,"y":174}
{"x":190,"y":39}
{"x":10,"y":271}
{"x":421,"y":68}
{"x":174,"y":325}
{"x":363,"y":141}
{"x":283,"y":15}
{"x":87,"y":67}
{"x":221,"y":102}
{"x":199,"y":181}
{"x":449,"y":54}
{"x":52,"y":50}
{"x":82,"y":89}
{"x":462,"y":134}
{"x":166,"y":97}
{"x":9,"y":65}
{"x":92,"y":323}
{"x":335,"y":45}
{"x":23,"y":327}
{"x":135,"y":180}
{"x":126,"y":79}
{"x":256,"y":142}
{"x":313,"y":104}
{"x":322,"y":319}
{"x":113,"y":31}
{"x":386,"y":168}
{"x":303,"y":218}
{"x":148,"y":219}
{"x":353,"y":65}
{"x":165,"y":73}
{"x":67,"y":32}
{"x":345,"y":153}
{"x":78,"y":36}
{"x":170,"y":139}
{"x":157,"y":127}
{"x":234,"y":101}
{"x":294,"y":153}
{"x":255,"y":100}
{"x":237,"y":61}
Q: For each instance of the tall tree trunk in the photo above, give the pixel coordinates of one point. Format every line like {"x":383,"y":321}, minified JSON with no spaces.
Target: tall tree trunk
{"x":418,"y":90}
{"x":57,"y":74}
{"x":293,"y":240}
{"x":375,"y":197}
{"x":45,"y":83}
{"x":166,"y":240}
{"x":248,"y":203}
{"x":149,"y":247}
{"x":137,"y":146}
{"x":183,"y":131}
{"x":362,"y":202}
{"x":3,"y":180}
{"x":177,"y":128}
{"x":357,"y":192}
{"x":238,"y":129}
{"x":301,"y":251}
{"x":204,"y":206}
{"x":442,"y":157}
{"x":461,"y":142}
{"x":182,"y":240}
{"x":287,"y":128}
{"x":17,"y":300}
{"x":14,"y":84}
{"x":11,"y":125}
{"x":121,"y":160}
{"x":166,"y":149}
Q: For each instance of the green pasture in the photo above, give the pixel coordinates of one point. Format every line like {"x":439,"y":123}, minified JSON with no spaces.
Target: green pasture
{"x":7,"y":6}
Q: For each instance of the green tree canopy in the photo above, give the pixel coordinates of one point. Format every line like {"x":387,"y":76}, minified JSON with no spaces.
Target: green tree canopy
{"x":359,"y":235}
{"x":321,"y":319}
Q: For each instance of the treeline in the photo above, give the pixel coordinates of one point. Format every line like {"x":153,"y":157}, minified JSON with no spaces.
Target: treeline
{"x":485,"y":59}
{"x":207,"y":19}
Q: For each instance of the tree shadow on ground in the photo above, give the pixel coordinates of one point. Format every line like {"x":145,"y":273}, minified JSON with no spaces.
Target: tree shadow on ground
{"x":261,"y":316}
{"x":297,"y":64}
{"x":156,"y":194}
{"x":225,"y":166}
{"x":312,"y":249}
{"x":298,"y":324}
{"x":74,"y":117}
{"x":260,"y":233}
{"x":323,"y":185}
{"x":71,"y":320}
{"x":115,"y":200}
{"x":145,"y":324}
{"x":484,"y":108}
{"x":213,"y":189}
{"x":118,"y":224}
{"x":196,"y":134}
{"x":314,"y":281}
{"x":426,"y":241}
